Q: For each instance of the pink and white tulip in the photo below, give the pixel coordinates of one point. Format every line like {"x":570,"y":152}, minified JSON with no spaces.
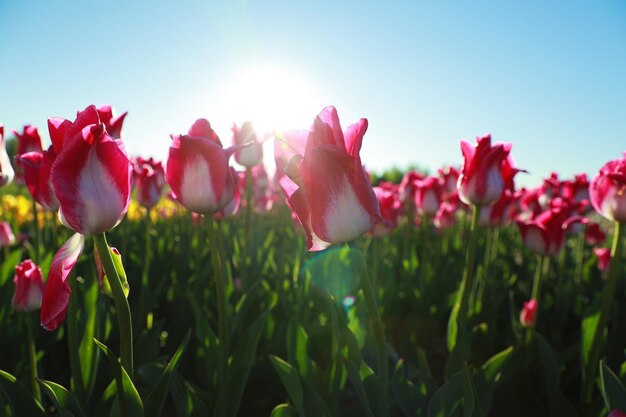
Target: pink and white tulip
{"x":6,"y":169}
{"x":149,"y":179}
{"x":608,"y":190}
{"x":197,"y":170}
{"x":326,"y":185}
{"x":28,"y":282}
{"x":528,"y":314}
{"x":113,"y":124}
{"x":37,"y":167}
{"x":7,"y":238}
{"x":250,"y":152}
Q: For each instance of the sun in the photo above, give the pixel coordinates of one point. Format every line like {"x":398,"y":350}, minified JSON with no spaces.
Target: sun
{"x":274,"y":98}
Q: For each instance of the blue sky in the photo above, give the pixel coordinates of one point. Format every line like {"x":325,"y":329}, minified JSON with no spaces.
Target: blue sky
{"x":547,"y":76}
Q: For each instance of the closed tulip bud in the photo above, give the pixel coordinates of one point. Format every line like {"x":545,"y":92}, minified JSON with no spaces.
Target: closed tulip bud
{"x":326,"y":186}
{"x":482,"y":179}
{"x":528,"y":314}
{"x":28,"y":282}
{"x":91,"y":174}
{"x":251,"y":149}
{"x":7,"y":238}
{"x":197,"y":170}
{"x":37,"y":168}
{"x":604,"y":258}
{"x":27,"y":141}
{"x":6,"y":169}
{"x":105,"y":286}
{"x":149,"y":180}
{"x":608,"y":190}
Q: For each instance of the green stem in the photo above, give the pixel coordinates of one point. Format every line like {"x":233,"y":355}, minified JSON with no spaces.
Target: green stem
{"x":542,"y":264}
{"x":37,"y":242}
{"x":121,"y":303}
{"x":468,"y":276}
{"x":32,"y":356}
{"x":580,"y":249}
{"x":607,"y":297}
{"x":73,"y":342}
{"x":379,"y":332}
{"x":220,"y":288}
{"x":248,"y":250}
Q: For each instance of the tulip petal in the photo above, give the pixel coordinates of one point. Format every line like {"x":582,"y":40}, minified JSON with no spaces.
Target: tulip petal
{"x":330,"y":117}
{"x":57,"y":291}
{"x":354,"y":137}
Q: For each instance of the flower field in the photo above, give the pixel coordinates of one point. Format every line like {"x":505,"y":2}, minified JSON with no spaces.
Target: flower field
{"x":136,"y":287}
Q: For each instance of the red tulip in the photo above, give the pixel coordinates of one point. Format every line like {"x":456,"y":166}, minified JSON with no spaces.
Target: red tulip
{"x":57,"y":291}
{"x":91,"y":174}
{"x":37,"y":168}
{"x":617,"y":413}
{"x":149,"y":179}
{"x":482,"y":179}
{"x":604,"y":258}
{"x":446,"y":216}
{"x":7,"y":238}
{"x":6,"y":170}
{"x":576,"y":190}
{"x":326,"y":185}
{"x":28,"y":141}
{"x":501,"y":212}
{"x":390,"y":208}
{"x":428,"y":195}
{"x":251,"y":149}
{"x":545,"y":234}
{"x":28,"y":282}
{"x":113,"y":124}
{"x":408,"y":186}
{"x":529,"y":313}
{"x":594,"y":235}
{"x":608,"y":190}
{"x":197,"y":170}
{"x":449,"y":177}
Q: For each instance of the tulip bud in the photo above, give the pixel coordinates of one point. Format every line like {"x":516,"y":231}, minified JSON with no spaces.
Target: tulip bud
{"x":604,"y":258}
{"x":7,"y":238}
{"x":105,"y":286}
{"x":528,"y":314}
{"x":28,"y":282}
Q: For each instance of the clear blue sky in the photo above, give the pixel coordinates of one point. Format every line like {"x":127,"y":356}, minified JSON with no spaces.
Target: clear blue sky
{"x":548,"y":76}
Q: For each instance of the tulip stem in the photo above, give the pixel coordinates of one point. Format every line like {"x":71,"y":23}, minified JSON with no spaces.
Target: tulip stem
{"x":121,"y":303}
{"x":37,"y":242}
{"x":32,"y":355}
{"x":73,"y":343}
{"x":220,"y":289}
{"x":248,"y":229}
{"x":599,"y":337}
{"x":542,"y":264}
{"x":468,"y":276}
{"x":377,"y":326}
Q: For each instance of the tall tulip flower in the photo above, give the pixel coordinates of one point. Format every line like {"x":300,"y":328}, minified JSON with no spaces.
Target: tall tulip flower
{"x":326,"y":185}
{"x":197,"y":170}
{"x":6,"y":170}
{"x":607,"y":192}
{"x":28,"y":282}
{"x":149,"y":180}
{"x":482,"y":179}
{"x":27,"y":141}
{"x":91,"y":177}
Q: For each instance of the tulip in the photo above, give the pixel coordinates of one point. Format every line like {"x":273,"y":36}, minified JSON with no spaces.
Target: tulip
{"x":28,"y":282}
{"x":604,"y":258}
{"x":617,"y":413}
{"x":57,"y":291}
{"x":428,"y":195}
{"x":7,"y":238}
{"x":594,"y":235}
{"x":448,"y":177}
{"x":545,"y":234}
{"x":37,"y":167}
{"x":501,"y":212}
{"x":6,"y":170}
{"x":251,"y":149}
{"x":113,"y":124}
{"x":91,"y":174}
{"x":197,"y":170}
{"x":446,"y":216}
{"x":482,"y":179}
{"x":390,"y":208}
{"x":608,"y":190}
{"x":149,"y":179}
{"x":326,"y":185}
{"x":576,"y":190}
{"x":528,"y":314}
{"x":27,"y":141}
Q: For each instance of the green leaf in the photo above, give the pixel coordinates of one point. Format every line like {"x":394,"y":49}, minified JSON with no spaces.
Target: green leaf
{"x":20,"y":400}
{"x":290,"y":379}
{"x":156,"y":398}
{"x":494,"y":366}
{"x":406,"y":393}
{"x":612,"y":389}
{"x":127,"y":399}
{"x":87,"y":352}
{"x":587,"y":333}
{"x":62,"y":398}
{"x":470,"y":400}
{"x":447,"y":400}
{"x":7,"y":270}
{"x":283,"y":410}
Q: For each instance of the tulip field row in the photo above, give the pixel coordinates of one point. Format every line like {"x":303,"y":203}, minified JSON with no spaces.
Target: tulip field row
{"x":135,"y":287}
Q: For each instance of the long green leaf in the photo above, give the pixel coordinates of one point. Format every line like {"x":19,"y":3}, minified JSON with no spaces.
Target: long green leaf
{"x":62,"y":398}
{"x":612,"y":388}
{"x":21,"y":401}
{"x":156,"y":398}
{"x":290,"y":379}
